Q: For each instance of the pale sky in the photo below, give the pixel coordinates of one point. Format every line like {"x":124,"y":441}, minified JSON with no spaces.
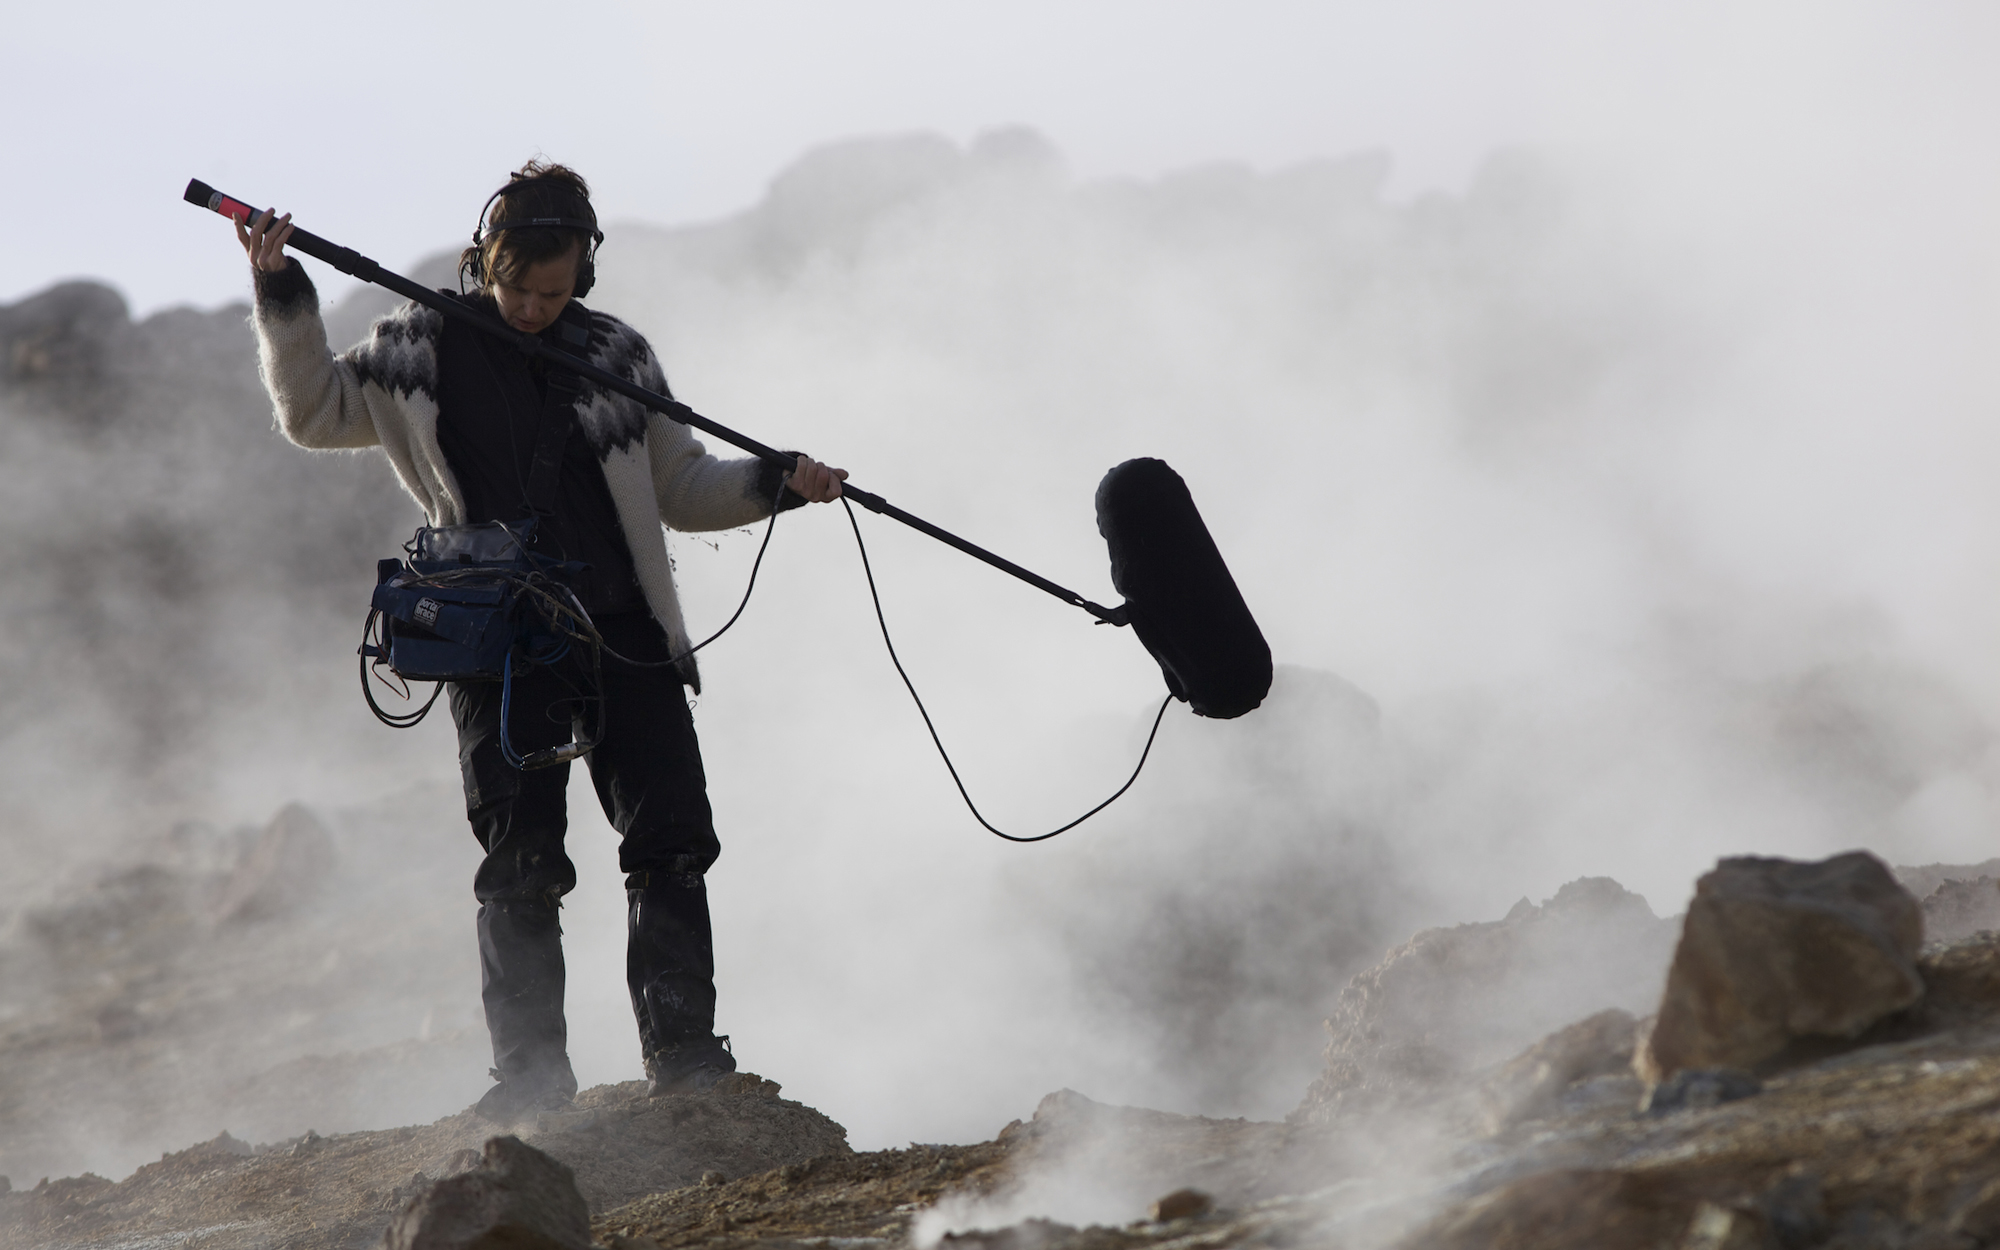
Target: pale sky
{"x":384,"y":125}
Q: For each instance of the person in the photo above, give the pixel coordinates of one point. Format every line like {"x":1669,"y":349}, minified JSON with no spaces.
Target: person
{"x":458,"y":412}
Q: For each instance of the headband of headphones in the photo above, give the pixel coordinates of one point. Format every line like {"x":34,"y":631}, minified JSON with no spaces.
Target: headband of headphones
{"x":586,"y":269}
{"x":483,"y":229}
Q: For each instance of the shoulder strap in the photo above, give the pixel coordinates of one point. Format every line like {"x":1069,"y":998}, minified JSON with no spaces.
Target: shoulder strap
{"x":558,"y":415}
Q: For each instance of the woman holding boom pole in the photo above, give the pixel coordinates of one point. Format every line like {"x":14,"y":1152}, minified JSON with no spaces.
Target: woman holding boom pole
{"x":459,"y":414}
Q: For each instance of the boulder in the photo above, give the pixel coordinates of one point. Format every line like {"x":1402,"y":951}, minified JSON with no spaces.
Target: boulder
{"x":1776,"y":951}
{"x":518,"y":1198}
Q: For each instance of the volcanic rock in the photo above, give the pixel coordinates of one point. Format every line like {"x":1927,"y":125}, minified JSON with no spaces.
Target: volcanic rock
{"x":1923,"y":880}
{"x":1529,"y":1085}
{"x":339,"y":1192}
{"x":60,"y":350}
{"x":1557,"y":1210}
{"x":1697,"y":1089}
{"x":1182,"y":1204}
{"x":1957,"y":908}
{"x":1961,"y":980}
{"x":1452,"y":1001}
{"x":518,"y":1197}
{"x":1774,"y":951}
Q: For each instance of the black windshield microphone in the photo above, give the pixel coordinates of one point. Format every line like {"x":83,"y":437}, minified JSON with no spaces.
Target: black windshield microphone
{"x":1182,"y":602}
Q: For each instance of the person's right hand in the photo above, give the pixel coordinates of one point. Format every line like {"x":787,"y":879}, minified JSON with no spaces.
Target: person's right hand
{"x":265,"y":246}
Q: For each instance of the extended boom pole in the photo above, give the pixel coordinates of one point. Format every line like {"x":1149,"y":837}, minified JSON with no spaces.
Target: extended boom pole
{"x":349,"y":261}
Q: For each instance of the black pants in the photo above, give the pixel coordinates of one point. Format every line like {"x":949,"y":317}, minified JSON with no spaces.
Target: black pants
{"x":648,"y":776}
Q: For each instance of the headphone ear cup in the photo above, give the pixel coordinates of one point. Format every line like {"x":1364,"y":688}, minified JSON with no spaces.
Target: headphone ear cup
{"x":586,"y":274}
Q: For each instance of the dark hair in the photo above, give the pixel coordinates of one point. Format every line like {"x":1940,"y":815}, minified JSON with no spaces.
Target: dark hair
{"x":537,"y":189}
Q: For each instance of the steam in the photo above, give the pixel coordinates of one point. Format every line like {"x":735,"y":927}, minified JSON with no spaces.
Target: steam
{"x":1517,"y":465}
{"x":1595,"y":538}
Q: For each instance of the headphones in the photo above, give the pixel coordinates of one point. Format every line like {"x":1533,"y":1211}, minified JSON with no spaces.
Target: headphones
{"x":586,"y":269}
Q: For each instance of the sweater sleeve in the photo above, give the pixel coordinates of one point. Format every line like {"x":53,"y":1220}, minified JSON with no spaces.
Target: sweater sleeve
{"x":318,"y":396}
{"x":697,"y":491}
{"x":771,"y":480}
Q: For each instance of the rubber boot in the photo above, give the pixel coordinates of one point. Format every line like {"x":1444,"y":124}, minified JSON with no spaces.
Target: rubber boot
{"x":670,"y":970}
{"x":521,"y":981}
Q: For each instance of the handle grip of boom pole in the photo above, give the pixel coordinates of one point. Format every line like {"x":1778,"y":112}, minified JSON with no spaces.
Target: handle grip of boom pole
{"x":345,"y":259}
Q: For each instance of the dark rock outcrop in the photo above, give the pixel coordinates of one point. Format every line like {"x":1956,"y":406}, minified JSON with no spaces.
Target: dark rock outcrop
{"x":1776,"y":951}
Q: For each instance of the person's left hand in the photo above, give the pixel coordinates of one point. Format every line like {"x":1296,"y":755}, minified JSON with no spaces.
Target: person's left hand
{"x":815,"y":482}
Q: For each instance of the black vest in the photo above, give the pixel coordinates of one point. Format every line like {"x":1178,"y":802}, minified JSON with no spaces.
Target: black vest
{"x":489,"y":413}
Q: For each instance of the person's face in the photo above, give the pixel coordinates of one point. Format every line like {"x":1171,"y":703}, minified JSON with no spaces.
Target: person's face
{"x":533,"y":300}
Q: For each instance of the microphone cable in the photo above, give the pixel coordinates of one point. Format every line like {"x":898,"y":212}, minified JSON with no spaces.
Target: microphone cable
{"x":881,"y":621}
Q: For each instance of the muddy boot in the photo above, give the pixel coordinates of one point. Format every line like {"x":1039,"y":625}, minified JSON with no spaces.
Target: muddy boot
{"x":688,"y":1067}
{"x":521,"y":1099}
{"x":670,"y":970}
{"x":521,"y":981}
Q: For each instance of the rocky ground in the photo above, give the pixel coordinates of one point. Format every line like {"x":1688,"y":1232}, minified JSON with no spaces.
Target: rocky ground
{"x":323,"y":1193}
{"x":257,"y":979}
{"x":1430,"y":1127}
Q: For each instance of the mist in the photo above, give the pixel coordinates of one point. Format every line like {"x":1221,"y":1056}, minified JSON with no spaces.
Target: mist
{"x":1620,"y":508}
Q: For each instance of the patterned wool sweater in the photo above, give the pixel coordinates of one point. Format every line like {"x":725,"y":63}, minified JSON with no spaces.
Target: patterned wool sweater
{"x":383,"y":392}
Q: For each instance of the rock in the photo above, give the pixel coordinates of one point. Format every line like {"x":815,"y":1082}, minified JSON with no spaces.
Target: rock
{"x":1959,"y":909}
{"x":456,"y":1162}
{"x":1528,"y":1085}
{"x":1923,"y":880}
{"x":1452,"y":1001}
{"x":220,"y":1151}
{"x":1182,"y":1204}
{"x":1774,"y":951}
{"x":518,"y":1198}
{"x":1795,"y":1207}
{"x":747,"y":1084}
{"x":1962,"y":979}
{"x":1027,"y":1235}
{"x":1717,"y":1227}
{"x":1566,"y":1209}
{"x":60,"y":351}
{"x":1697,"y":1089}
{"x":1126,"y":1157}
